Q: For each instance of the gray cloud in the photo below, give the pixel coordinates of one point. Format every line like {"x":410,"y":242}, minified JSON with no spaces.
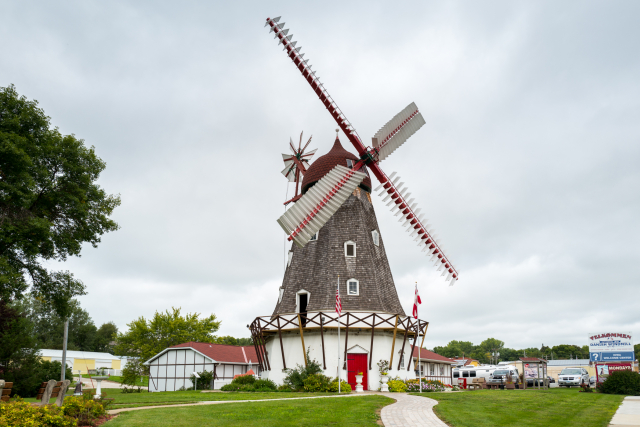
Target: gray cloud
{"x":527,"y":166}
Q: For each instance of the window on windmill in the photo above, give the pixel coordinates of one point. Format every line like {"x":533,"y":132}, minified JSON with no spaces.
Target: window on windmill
{"x":353,"y":287}
{"x":376,"y":237}
{"x":402,"y":361}
{"x":289,"y":257}
{"x":350,"y":249}
{"x":350,"y":163}
{"x":314,"y":237}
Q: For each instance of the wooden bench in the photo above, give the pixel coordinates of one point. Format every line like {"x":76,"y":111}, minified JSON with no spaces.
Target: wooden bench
{"x":5,"y":391}
{"x":57,"y":389}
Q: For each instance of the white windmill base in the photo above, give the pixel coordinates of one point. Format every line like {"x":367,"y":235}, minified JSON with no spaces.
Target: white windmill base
{"x":359,"y":342}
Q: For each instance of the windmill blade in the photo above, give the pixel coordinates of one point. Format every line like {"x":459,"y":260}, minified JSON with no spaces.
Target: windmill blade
{"x":426,"y":238}
{"x":397,"y":131}
{"x":317,"y":206}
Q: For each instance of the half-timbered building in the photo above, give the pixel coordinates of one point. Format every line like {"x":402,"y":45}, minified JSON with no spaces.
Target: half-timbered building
{"x":171,"y":369}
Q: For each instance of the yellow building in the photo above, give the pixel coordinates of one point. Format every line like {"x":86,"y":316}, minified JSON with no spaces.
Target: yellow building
{"x":84,"y":361}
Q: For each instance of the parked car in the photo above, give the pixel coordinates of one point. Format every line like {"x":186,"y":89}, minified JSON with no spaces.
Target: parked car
{"x":534,"y":382}
{"x":499,"y":376}
{"x":551,"y":380}
{"x":573,"y":377}
{"x":592,"y":381}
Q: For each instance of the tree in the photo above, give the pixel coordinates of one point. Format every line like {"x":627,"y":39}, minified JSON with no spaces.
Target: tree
{"x":105,"y":335}
{"x":456,"y":349}
{"x":48,"y":327}
{"x":146,"y":338}
{"x":567,"y":351}
{"x":19,"y":360}
{"x":234,"y":341}
{"x":492,"y":347}
{"x":50,"y":203}
{"x":637,"y":351}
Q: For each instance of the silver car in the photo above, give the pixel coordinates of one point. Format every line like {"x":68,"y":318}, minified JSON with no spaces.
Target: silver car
{"x":573,"y":377}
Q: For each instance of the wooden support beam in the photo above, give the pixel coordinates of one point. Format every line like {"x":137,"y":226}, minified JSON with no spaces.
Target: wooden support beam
{"x":256,"y":343}
{"x":284,"y":363}
{"x":304,"y":350}
{"x":424,"y":335}
{"x":324,"y":363}
{"x":346,"y":341}
{"x":373,"y":325}
{"x":415,"y":340}
{"x":406,"y":332}
{"x":393,"y":343}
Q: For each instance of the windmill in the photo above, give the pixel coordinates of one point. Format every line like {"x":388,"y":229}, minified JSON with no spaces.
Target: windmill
{"x":296,"y":164}
{"x":318,"y":204}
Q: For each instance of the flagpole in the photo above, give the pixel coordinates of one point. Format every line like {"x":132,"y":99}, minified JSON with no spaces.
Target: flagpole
{"x":339,"y":314}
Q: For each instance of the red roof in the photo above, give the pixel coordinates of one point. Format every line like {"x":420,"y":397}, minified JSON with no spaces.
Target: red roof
{"x":430,"y":355}
{"x":323,"y":165}
{"x":532,"y":359}
{"x":249,"y":372}
{"x":224,"y":352}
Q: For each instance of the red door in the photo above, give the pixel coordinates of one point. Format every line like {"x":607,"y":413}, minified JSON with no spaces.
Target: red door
{"x":357,"y":363}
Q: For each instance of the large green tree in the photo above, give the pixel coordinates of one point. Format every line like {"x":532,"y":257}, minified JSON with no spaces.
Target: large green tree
{"x":50,"y":203}
{"x":229,"y":340}
{"x":146,"y":338}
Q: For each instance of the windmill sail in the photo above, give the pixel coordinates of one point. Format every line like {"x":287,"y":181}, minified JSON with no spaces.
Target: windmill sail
{"x":302,"y":220}
{"x":397,"y":131}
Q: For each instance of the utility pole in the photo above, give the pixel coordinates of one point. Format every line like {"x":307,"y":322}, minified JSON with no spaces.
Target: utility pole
{"x":64,"y":350}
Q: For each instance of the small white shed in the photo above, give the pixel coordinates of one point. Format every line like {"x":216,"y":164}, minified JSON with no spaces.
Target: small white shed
{"x":171,"y":369}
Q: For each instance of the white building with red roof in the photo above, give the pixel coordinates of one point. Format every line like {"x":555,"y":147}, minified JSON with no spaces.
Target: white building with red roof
{"x":434,"y":366}
{"x":172,"y":368}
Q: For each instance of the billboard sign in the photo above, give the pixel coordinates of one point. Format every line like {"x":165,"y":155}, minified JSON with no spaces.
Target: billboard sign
{"x":611,"y":347}
{"x":603,"y":371}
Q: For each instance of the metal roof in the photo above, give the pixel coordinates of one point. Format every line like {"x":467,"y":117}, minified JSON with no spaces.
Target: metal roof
{"x":77,"y":354}
{"x":571,"y":362}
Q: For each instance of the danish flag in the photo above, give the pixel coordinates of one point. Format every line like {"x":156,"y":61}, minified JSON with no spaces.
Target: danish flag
{"x":416,"y":301}
{"x":338,"y":302}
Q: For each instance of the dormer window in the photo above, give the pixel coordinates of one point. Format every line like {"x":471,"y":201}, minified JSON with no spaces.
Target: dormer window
{"x":376,"y":237}
{"x":353,"y":287}
{"x":314,"y":237}
{"x":350,"y":163}
{"x":350,"y":249}
{"x":289,"y":257}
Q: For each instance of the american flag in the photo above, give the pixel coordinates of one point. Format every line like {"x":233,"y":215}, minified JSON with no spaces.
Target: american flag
{"x":338,"y":302}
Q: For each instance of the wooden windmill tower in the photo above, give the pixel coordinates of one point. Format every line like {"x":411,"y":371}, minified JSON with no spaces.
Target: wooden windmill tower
{"x":335,"y":231}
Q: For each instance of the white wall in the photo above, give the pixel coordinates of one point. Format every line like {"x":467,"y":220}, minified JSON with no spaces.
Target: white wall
{"x":293,"y":353}
{"x":172,"y":370}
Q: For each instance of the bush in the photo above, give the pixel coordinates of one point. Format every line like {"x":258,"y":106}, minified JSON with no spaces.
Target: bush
{"x":316,"y":383}
{"x":622,"y":382}
{"x":84,"y":408}
{"x":204,"y":382}
{"x":244,"y":379}
{"x":20,"y":413}
{"x":284,"y":388}
{"x":295,"y":378}
{"x":396,"y":385}
{"x":344,"y":386}
{"x":264,"y":385}
{"x":131,"y":375}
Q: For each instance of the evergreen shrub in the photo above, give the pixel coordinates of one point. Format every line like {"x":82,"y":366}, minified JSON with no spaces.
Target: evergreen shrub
{"x":622,"y":382}
{"x":20,"y":413}
{"x":316,"y":383}
{"x":345,"y":387}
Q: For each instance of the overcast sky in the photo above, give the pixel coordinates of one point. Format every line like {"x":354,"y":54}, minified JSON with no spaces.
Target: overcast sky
{"x":528,"y":166}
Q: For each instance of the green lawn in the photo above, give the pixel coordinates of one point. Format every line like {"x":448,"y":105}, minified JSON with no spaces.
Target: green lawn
{"x":348,"y":411}
{"x":130,"y":400}
{"x":142,"y":381}
{"x":528,"y":408}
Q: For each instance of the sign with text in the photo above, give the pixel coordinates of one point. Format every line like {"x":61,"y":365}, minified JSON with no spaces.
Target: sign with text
{"x":603,"y":371}
{"x":611,"y":347}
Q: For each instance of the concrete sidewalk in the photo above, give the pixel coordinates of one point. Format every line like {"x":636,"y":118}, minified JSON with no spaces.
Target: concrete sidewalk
{"x":628,"y":414}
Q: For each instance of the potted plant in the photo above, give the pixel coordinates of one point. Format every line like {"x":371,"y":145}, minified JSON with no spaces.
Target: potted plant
{"x":383,"y":366}
{"x":359,"y":376}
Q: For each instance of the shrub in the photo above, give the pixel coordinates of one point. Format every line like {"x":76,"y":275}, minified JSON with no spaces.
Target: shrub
{"x":344,"y":386}
{"x":284,"y":388}
{"x":19,"y":413}
{"x":131,"y":375}
{"x":84,"y":408}
{"x":204,"y":382}
{"x":244,"y":379}
{"x":316,"y":382}
{"x":264,"y":385}
{"x":396,"y":385}
{"x":622,"y":382}
{"x":295,"y":377}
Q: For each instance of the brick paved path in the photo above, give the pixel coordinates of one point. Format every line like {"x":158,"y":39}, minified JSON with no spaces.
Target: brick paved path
{"x":413,"y":411}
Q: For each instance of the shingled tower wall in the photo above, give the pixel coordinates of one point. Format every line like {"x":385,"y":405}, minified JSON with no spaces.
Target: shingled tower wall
{"x":315,"y":267}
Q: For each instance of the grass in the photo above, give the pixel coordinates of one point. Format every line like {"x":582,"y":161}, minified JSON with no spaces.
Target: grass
{"x":142,"y":381}
{"x":527,"y":408}
{"x":131,"y":400}
{"x":350,"y":411}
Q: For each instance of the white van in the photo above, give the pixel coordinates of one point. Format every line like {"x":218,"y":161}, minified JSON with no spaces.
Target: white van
{"x":482,"y":371}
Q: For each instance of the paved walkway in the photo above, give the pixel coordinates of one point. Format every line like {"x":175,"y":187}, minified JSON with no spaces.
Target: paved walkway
{"x":628,"y":414}
{"x":413,"y":411}
{"x":410,"y":411}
